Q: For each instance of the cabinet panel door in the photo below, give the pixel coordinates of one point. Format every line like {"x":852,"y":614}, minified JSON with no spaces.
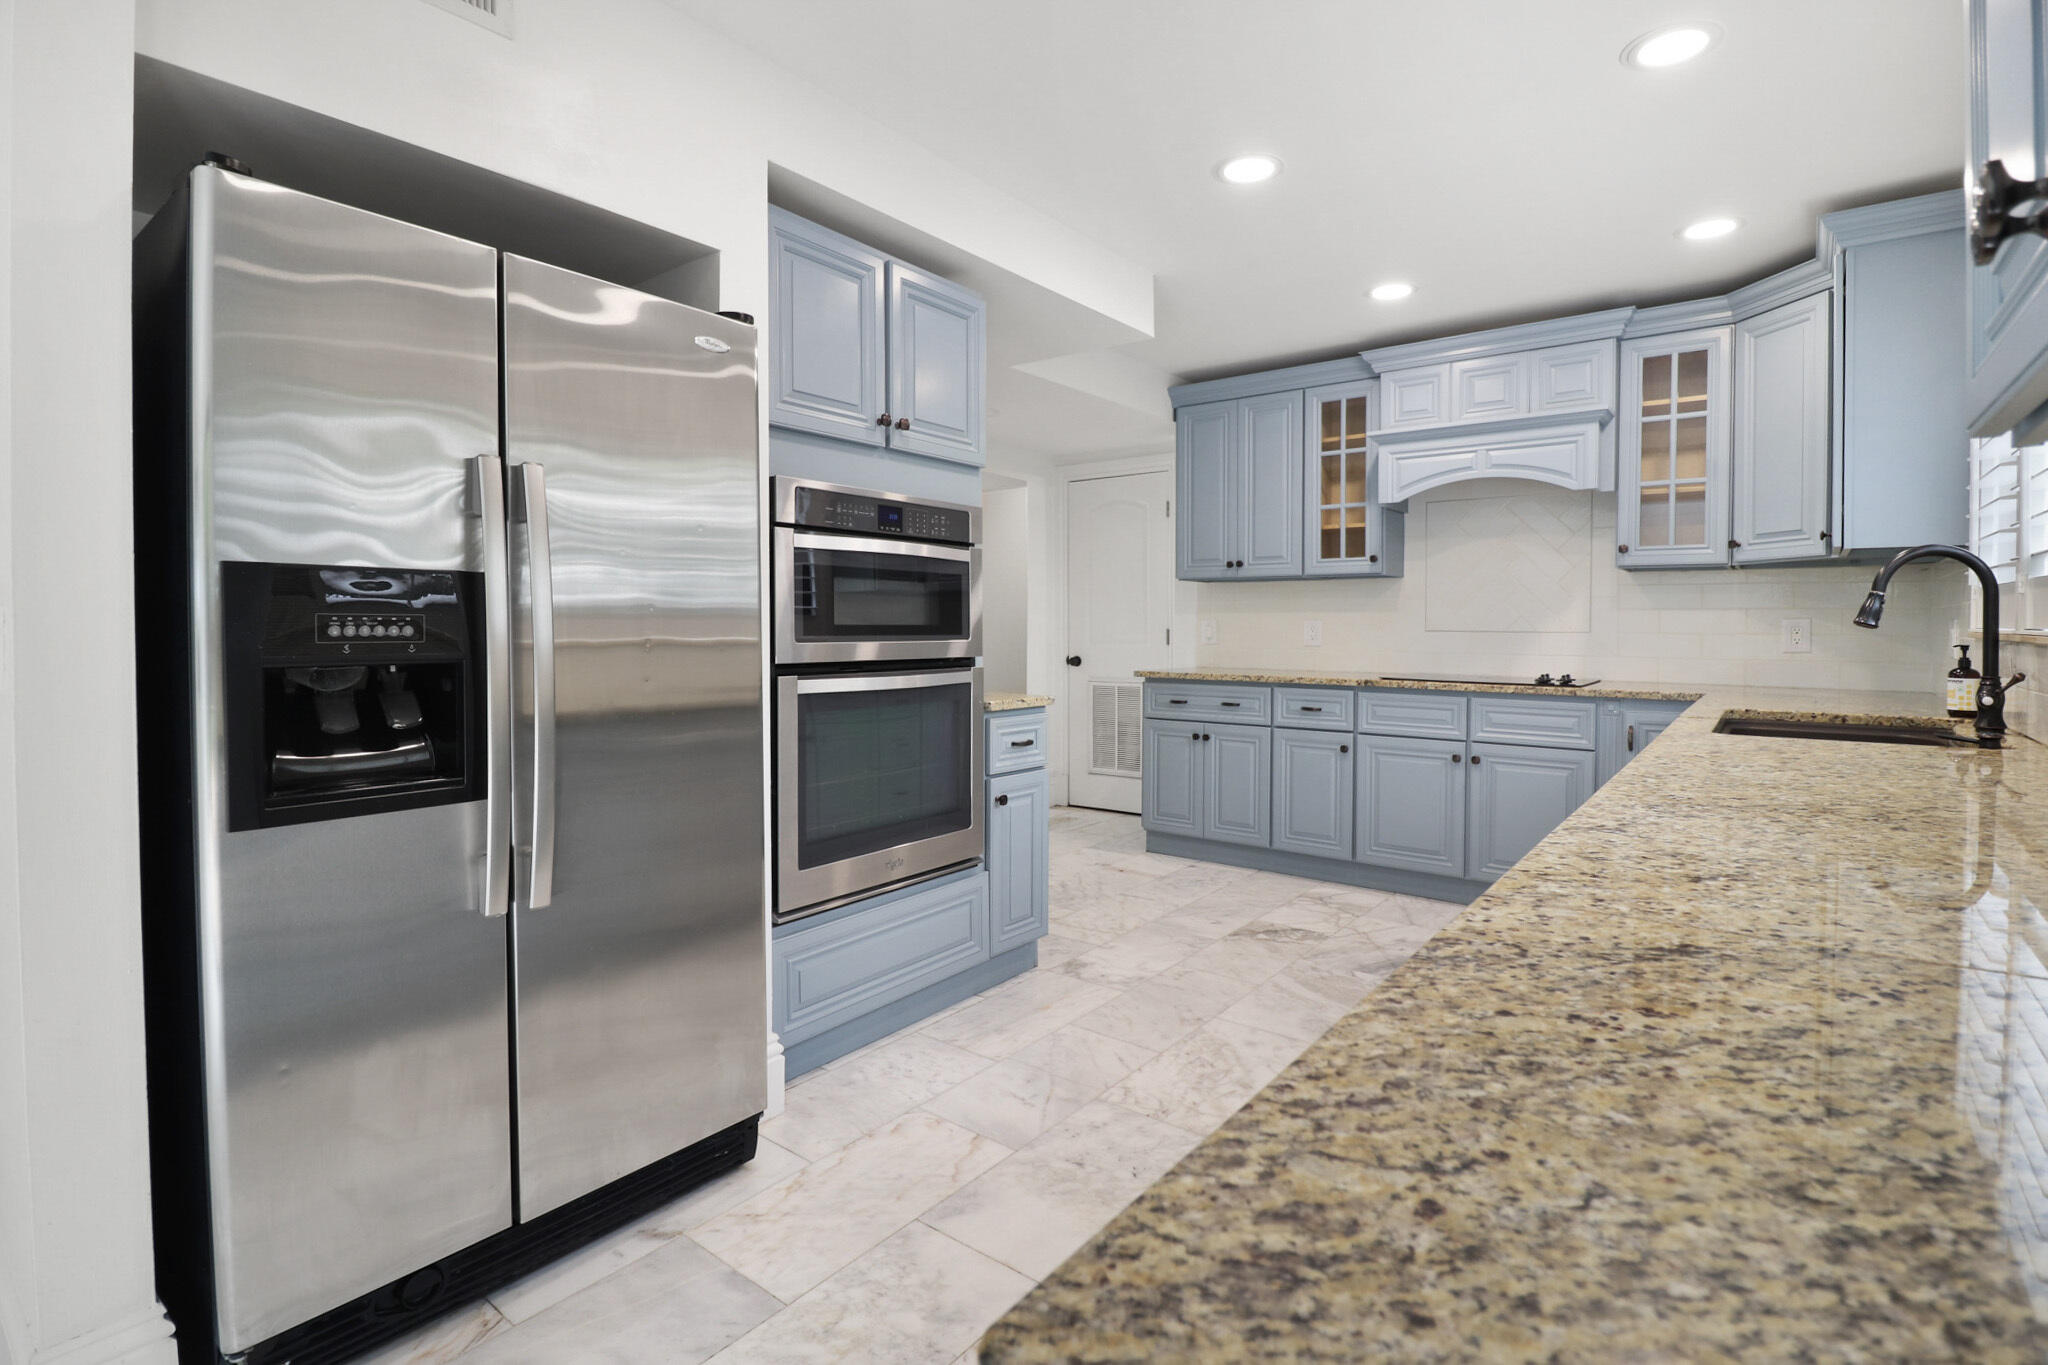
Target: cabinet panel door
{"x":1237,"y":784}
{"x":1627,"y":728}
{"x":1411,"y":804}
{"x":1672,"y":503}
{"x":1172,"y":784}
{"x":1347,"y":527}
{"x":937,"y":376}
{"x":1517,"y":797}
{"x":1019,"y":858}
{"x":825,"y":359}
{"x":1269,"y":486}
{"x":1415,"y":398}
{"x":1313,"y":790}
{"x":1781,"y":452}
{"x":1571,"y":378}
{"x":1496,"y":386}
{"x":1204,"y":467}
{"x":2008,"y":298}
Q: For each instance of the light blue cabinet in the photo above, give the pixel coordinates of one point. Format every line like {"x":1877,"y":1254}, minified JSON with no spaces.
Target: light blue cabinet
{"x":1237,"y":784}
{"x":2007,"y":384}
{"x":937,"y":342}
{"x":1019,"y":858}
{"x":1171,"y":797}
{"x":1516,"y":795}
{"x":826,"y":368}
{"x":1781,"y":450}
{"x":1269,"y":487}
{"x":1627,"y":728}
{"x":1411,"y":804}
{"x":1672,"y":508}
{"x":869,"y":349}
{"x":1204,"y":438}
{"x":1313,"y":790}
{"x":1348,"y":532}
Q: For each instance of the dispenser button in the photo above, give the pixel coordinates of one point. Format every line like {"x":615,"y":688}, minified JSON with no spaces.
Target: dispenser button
{"x":377,"y":630}
{"x":405,"y":630}
{"x":348,"y":630}
{"x":333,"y":629}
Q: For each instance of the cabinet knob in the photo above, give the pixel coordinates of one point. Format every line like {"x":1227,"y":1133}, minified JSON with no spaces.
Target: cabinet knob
{"x":1372,"y":559}
{"x":1457,"y":758}
{"x":1823,"y":535}
{"x":1734,"y":544}
{"x":1994,"y":196}
{"x":1002,"y":800}
{"x":883,"y":420}
{"x":1623,"y":549}
{"x":1475,"y":760}
{"x":1343,"y":748}
{"x":902,"y":424}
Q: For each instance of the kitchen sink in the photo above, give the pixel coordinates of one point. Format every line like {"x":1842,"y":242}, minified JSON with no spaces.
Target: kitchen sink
{"x":1854,"y":731}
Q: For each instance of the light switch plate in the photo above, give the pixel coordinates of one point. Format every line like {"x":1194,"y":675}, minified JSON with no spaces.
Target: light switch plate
{"x":1311,"y":632}
{"x":1208,"y":632}
{"x":1795,"y":635}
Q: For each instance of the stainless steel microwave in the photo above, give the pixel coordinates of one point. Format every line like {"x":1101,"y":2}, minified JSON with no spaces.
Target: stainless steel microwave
{"x":865,"y":577}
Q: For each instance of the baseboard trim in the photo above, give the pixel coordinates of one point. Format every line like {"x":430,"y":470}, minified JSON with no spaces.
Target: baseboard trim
{"x":144,"y":1339}
{"x":834,"y":1043}
{"x":1397,"y":880}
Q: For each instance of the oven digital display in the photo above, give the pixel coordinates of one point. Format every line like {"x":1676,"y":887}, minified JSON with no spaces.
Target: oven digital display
{"x":888,"y":516}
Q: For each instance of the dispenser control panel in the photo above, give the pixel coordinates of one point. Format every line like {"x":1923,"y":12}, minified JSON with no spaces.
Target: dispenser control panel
{"x":347,"y":627}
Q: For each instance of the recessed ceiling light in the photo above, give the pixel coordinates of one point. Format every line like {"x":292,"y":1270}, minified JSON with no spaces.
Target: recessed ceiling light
{"x":1669,"y":46}
{"x":1706,"y":229}
{"x":1248,"y":170}
{"x":1392,"y":291}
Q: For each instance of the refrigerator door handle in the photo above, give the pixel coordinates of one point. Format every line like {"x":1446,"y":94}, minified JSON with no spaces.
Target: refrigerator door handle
{"x":539,"y":847}
{"x":487,"y":478}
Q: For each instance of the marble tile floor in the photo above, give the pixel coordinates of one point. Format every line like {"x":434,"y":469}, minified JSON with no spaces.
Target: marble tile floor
{"x":912,"y":1191}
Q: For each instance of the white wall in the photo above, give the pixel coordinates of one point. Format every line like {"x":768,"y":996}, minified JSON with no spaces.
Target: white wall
{"x":76,"y":1281}
{"x":1514,"y":577}
{"x":1006,"y":588}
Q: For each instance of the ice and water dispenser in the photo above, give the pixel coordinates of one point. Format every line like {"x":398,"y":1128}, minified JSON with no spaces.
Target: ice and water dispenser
{"x":350,"y":690}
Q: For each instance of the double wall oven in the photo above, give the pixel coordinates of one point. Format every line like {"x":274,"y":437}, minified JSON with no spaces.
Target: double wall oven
{"x":878,"y":737}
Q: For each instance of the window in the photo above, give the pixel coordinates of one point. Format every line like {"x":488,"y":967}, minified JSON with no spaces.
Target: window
{"x":2009,"y":526}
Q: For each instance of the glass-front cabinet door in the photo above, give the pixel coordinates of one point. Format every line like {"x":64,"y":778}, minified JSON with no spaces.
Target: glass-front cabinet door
{"x":1346,"y":529}
{"x":1674,"y":487}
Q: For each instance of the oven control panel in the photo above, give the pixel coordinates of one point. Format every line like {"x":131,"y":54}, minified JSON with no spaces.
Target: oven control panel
{"x":833,"y":509}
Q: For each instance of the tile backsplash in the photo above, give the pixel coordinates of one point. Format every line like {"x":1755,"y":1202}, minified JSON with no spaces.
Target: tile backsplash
{"x":1514,"y":577}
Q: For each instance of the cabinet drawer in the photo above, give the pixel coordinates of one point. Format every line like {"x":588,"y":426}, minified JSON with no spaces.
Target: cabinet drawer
{"x":1555,"y":724}
{"x":1423,"y":715}
{"x":1314,"y":708}
{"x":838,"y":967}
{"x":1016,"y":742}
{"x":1210,"y":701}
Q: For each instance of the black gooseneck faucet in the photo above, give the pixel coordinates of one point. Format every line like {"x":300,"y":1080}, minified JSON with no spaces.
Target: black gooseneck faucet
{"x":1991,"y":691}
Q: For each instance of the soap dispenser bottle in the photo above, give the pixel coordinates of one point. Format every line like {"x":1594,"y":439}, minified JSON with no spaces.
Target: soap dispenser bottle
{"x":1963,"y":681}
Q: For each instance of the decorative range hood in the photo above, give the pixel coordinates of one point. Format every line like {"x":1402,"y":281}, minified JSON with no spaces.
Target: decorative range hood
{"x":1534,"y":401}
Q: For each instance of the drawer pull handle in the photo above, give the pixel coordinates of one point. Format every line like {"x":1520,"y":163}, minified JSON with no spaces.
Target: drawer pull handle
{"x":1631,"y":739}
{"x":1176,"y":701}
{"x":1233,"y":703}
{"x":1022,"y":743}
{"x":1317,"y":709}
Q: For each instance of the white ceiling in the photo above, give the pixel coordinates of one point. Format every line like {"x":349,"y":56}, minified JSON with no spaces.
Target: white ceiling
{"x":1494,"y":152}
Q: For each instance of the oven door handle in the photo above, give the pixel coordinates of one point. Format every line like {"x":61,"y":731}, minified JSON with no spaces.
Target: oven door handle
{"x":916,"y":549}
{"x":887,"y":682}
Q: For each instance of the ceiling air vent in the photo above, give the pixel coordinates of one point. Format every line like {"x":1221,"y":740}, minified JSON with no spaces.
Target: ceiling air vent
{"x":495,"y":15}
{"x":1116,"y":729}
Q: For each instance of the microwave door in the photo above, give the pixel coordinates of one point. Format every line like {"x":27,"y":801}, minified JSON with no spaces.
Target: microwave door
{"x":862,"y":599}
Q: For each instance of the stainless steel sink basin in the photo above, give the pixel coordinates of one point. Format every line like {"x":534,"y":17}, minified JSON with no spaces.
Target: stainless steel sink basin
{"x":1853,"y":731}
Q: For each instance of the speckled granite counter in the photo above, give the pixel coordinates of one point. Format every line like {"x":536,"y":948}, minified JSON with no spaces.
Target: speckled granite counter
{"x":1746,"y":1061}
{"x":1012,"y":701}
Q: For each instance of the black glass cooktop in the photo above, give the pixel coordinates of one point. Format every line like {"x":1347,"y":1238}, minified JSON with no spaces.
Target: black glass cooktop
{"x":1540,"y":680}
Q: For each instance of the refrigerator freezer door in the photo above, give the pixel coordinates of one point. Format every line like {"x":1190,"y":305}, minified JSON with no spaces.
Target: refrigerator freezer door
{"x":344,"y":372}
{"x":641,"y":988}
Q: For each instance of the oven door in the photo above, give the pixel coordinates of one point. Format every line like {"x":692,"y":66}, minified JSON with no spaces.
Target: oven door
{"x":860,"y":599}
{"x":879,"y":779}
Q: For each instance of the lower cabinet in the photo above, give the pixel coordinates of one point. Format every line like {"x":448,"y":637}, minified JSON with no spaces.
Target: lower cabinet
{"x":1019,"y":858}
{"x":1411,"y":804}
{"x":1517,"y":794}
{"x":1209,"y":781}
{"x":1626,"y":729}
{"x":1312,"y":792}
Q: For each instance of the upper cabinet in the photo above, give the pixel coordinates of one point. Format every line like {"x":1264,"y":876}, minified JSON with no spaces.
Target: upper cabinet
{"x":1275,"y":477}
{"x":2008,"y":279}
{"x":1348,"y":530}
{"x":1672,"y":511}
{"x":1781,"y":453}
{"x":1240,"y":476}
{"x":870,"y":349}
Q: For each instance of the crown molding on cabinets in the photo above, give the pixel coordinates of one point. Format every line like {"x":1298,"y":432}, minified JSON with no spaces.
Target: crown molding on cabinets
{"x":1787,"y":286}
{"x":1937,"y":212}
{"x":1527,"y":336}
{"x":1680,"y":317}
{"x":1342,"y":370}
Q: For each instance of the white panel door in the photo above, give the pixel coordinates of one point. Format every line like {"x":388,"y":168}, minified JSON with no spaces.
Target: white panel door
{"x":1119,"y":604}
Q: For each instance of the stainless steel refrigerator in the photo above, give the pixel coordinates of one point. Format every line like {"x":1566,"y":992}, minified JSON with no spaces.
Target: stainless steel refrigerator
{"x":449,"y":687}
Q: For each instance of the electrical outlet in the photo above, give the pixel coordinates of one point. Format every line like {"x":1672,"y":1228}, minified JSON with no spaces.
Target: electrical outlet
{"x":1795,"y":635}
{"x":1311,"y":632}
{"x":1208,"y":632}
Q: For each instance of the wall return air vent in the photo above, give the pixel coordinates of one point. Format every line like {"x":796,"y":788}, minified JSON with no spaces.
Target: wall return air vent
{"x":495,"y":15}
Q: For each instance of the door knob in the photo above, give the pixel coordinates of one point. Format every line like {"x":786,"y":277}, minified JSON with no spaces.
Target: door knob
{"x":1073,"y":661}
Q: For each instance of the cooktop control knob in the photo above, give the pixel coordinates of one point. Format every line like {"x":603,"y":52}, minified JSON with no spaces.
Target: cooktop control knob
{"x":1565,"y":681}
{"x":1544,"y":680}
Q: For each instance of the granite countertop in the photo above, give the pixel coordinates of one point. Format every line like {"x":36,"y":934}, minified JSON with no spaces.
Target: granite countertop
{"x":1012,"y":701}
{"x":1745,"y":1061}
{"x":1604,"y":688}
